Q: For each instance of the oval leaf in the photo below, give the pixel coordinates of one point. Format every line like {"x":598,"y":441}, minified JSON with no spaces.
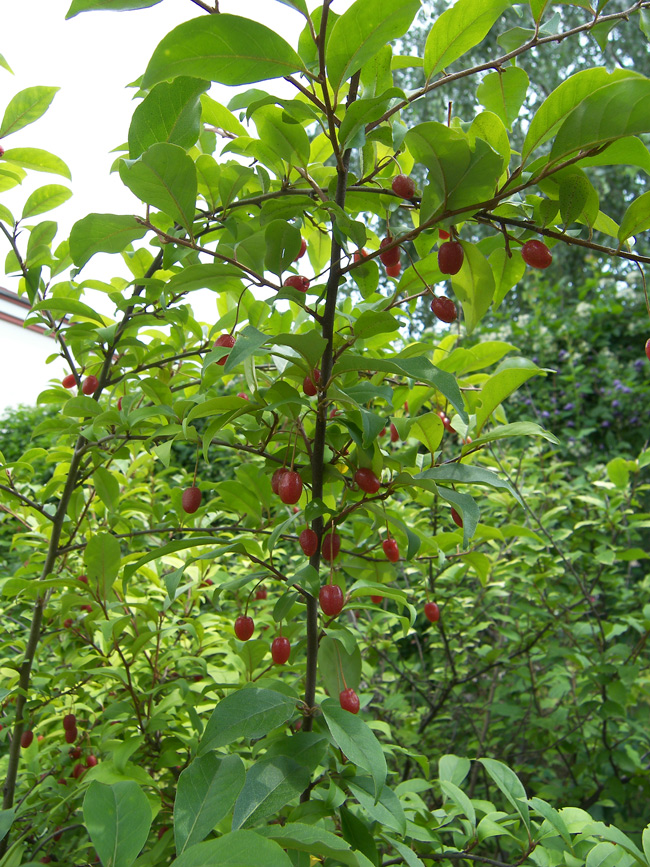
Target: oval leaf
{"x":118,"y":819}
{"x":247,"y":713}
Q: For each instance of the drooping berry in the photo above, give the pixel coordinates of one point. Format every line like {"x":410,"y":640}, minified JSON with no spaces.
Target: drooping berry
{"x":69,"y":381}
{"x":392,"y":256}
{"x":310,"y":383}
{"x":394,"y":435}
{"x":456,"y":518}
{"x":275,"y":479}
{"x":26,"y":739}
{"x":331,"y":599}
{"x":403,"y":186}
{"x":393,"y":270}
{"x":377,"y":599}
{"x":308,"y":541}
{"x":444,"y":308}
{"x":349,"y":700}
{"x":69,"y":721}
{"x":295,"y":281}
{"x":391,"y":550}
{"x":647,"y":348}
{"x":331,"y":546}
{"x":90,"y":385}
{"x":303,"y":249}
{"x":450,"y":257}
{"x":280,"y":650}
{"x":244,"y":627}
{"x":261,"y":593}
{"x":359,"y":255}
{"x":290,"y":487}
{"x":191,"y":500}
{"x":91,"y":761}
{"x":77,"y":771}
{"x":443,"y":234}
{"x":536,"y":254}
{"x":432,"y":612}
{"x":226,"y":340}
{"x":71,"y":735}
{"x":367,"y":480}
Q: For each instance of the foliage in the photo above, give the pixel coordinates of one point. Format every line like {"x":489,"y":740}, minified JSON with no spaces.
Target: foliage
{"x":188,"y":743}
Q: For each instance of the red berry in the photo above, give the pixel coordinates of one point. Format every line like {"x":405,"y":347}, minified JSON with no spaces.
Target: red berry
{"x":392,"y":256}
{"x":75,"y":752}
{"x":394,"y":436}
{"x":444,"y":308}
{"x":69,"y":381}
{"x":403,"y":186}
{"x":191,"y":500}
{"x":393,"y":270}
{"x":68,"y":623}
{"x":303,"y":249}
{"x":260,"y":593}
{"x":444,"y":235}
{"x":83,"y":578}
{"x":308,"y":541}
{"x":224,"y":340}
{"x":536,"y":254}
{"x":26,"y":739}
{"x":275,"y":479}
{"x":71,"y":735}
{"x":86,"y":608}
{"x":119,"y":403}
{"x":432,"y":612}
{"x":391,"y":550}
{"x":349,"y":700}
{"x":69,"y":721}
{"x":367,"y":480}
{"x":331,"y":599}
{"x":77,"y":771}
{"x":359,"y":255}
{"x":382,"y":432}
{"x":310,"y":383}
{"x":45,"y":860}
{"x":290,"y":487}
{"x":91,"y":761}
{"x":90,"y":385}
{"x":377,"y":599}
{"x":280,"y":650}
{"x":450,"y":257}
{"x":243,"y":395}
{"x":456,"y":518}
{"x":295,"y":281}
{"x":331,"y":546}
{"x":244,"y":627}
{"x":647,"y":348}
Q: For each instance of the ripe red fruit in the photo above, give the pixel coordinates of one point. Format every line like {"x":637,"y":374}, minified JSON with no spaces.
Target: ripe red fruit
{"x":310,"y":383}
{"x":536,"y":254}
{"x":349,"y":700}
{"x":394,"y":436}
{"x":119,"y":403}
{"x":45,"y":860}
{"x":390,"y":257}
{"x":191,"y":500}
{"x":444,"y":235}
{"x":260,"y":593}
{"x":450,"y":257}
{"x":86,"y":607}
{"x":75,"y":752}
{"x":367,"y":480}
{"x":290,"y":487}
{"x":77,"y":771}
{"x":377,"y":599}
{"x":69,"y":721}
{"x":331,"y":599}
{"x":224,"y":340}
{"x":432,"y":612}
{"x":71,"y":735}
{"x":359,"y":255}
{"x":83,"y":578}
{"x":275,"y":479}
{"x":280,"y":650}
{"x":647,"y":348}
{"x":393,"y":270}
{"x":91,"y":761}
{"x":391,"y":550}
{"x":90,"y":385}
{"x":69,"y":381}
{"x":68,"y":623}
{"x":456,"y":518}
{"x":244,"y":627}
{"x":331,"y":546}
{"x":403,"y":186}
{"x":303,"y":249}
{"x":295,"y":281}
{"x":26,"y":739}
{"x":444,"y":308}
{"x":243,"y":395}
{"x":308,"y":541}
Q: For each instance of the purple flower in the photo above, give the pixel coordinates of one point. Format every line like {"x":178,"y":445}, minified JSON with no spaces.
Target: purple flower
{"x":545,"y":414}
{"x":616,"y":403}
{"x":606,"y":423}
{"x":568,"y":407}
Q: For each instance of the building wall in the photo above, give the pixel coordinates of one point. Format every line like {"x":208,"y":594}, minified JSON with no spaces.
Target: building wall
{"x":23,"y":351}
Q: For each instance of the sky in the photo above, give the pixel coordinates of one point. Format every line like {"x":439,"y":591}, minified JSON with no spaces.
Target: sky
{"x":92,"y":58}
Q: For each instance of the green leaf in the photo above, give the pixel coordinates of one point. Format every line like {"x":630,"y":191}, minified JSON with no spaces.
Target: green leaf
{"x":289,"y":141}
{"x":207,"y":790}
{"x":361,"y":31}
{"x":223,"y":48}
{"x":283,"y":245}
{"x":270,"y":785}
{"x":245,"y":713}
{"x":111,"y":5}
{"x":164,"y":176}
{"x":504,"y":93}
{"x":102,"y":559}
{"x":510,"y":785}
{"x":357,"y":741}
{"x":309,"y":838}
{"x":359,"y":836}
{"x":364,"y":111}
{"x":373,"y":322}
{"x":499,"y":386}
{"x":102,"y":233}
{"x":507,"y":272}
{"x":5,"y":65}
{"x":474,"y":286}
{"x":62,"y":306}
{"x":458,"y":29}
{"x":387,"y":810}
{"x":636,"y":218}
{"x":26,"y":107}
{"x":170,"y":113}
{"x":467,"y":474}
{"x":552,"y":817}
{"x":118,"y":819}
{"x":107,"y":487}
{"x":337,"y":667}
{"x":45,"y":199}
{"x":249,"y":340}
{"x":6,"y":821}
{"x":460,"y":799}
{"x":236,"y":849}
{"x":453,"y":768}
{"x":37,"y":160}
